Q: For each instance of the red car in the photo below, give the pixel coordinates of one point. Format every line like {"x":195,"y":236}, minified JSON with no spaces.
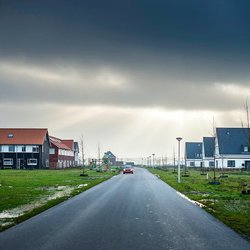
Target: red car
{"x":128,"y":170}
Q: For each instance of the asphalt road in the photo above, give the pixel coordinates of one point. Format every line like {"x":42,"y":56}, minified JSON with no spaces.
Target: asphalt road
{"x":136,"y":211}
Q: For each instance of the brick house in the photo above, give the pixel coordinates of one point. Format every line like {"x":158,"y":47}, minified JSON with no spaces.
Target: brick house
{"x":61,"y":154}
{"x":24,"y":148}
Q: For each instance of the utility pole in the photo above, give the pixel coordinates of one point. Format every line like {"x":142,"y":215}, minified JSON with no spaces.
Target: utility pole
{"x":153,"y":160}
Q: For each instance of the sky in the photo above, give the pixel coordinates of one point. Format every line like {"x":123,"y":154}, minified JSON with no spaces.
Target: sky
{"x":129,"y":75}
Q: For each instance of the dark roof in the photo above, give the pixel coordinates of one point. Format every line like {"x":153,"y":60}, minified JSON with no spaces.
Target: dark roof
{"x":208,"y":143}
{"x":232,"y":140}
{"x":23,"y":136}
{"x":109,"y":154}
{"x":193,"y":150}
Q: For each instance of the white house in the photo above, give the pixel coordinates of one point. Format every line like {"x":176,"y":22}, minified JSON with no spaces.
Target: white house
{"x":232,"y":148}
{"x":208,"y":152}
{"x":193,"y":154}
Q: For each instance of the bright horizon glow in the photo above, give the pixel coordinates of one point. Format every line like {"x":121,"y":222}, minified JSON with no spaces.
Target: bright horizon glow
{"x":136,"y":131}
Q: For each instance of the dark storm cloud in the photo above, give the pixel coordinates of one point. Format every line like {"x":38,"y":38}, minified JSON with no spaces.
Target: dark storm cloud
{"x":78,"y":28}
{"x":172,"y":53}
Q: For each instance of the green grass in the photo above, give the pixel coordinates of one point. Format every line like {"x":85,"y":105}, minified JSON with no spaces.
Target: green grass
{"x":22,"y":187}
{"x":223,"y":201}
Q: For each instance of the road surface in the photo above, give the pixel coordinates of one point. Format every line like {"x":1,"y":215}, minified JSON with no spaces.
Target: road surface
{"x":132,"y":211}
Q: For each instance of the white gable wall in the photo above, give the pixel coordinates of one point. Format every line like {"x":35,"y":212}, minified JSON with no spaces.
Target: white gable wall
{"x":239,"y":160}
{"x":208,"y":161}
{"x":193,"y":162}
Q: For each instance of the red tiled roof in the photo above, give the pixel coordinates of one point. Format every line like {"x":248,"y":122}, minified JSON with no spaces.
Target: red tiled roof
{"x":69,"y":143}
{"x":58,"y":143}
{"x":22,"y":136}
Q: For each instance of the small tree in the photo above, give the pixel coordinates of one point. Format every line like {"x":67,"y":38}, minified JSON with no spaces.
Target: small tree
{"x":214,"y":182}
{"x":105,"y":162}
{"x":247,"y":125}
{"x":82,"y":154}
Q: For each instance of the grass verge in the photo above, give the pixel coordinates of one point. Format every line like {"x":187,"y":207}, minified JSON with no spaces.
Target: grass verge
{"x":25,"y":193}
{"x":224,"y":201}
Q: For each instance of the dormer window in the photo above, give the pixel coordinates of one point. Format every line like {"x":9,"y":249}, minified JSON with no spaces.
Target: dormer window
{"x":245,"y":148}
{"x":10,"y":135}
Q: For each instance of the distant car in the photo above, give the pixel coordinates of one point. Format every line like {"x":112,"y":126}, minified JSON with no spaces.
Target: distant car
{"x":128,"y":170}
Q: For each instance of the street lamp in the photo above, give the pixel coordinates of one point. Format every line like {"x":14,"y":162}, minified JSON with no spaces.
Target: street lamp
{"x":179,"y":167}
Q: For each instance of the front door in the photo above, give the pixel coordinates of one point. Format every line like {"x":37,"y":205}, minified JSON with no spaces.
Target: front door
{"x":247,"y":165}
{"x":20,"y":163}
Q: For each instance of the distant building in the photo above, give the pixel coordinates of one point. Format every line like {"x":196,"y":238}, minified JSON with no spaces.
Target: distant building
{"x":61,"y":153}
{"x":119,"y":163}
{"x":193,"y":154}
{"x":130,"y":163}
{"x":208,"y":147}
{"x":24,"y":148}
{"x":111,"y":158}
{"x":232,"y":148}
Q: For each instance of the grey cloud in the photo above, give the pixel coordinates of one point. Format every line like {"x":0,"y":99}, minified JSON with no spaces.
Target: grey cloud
{"x":170,"y":52}
{"x":114,"y":87}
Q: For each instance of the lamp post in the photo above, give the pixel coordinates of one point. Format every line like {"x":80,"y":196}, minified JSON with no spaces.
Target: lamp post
{"x":179,"y":166}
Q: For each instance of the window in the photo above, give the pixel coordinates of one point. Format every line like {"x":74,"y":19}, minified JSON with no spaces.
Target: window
{"x":211,"y":164}
{"x":10,"y":135}
{"x":51,"y":151}
{"x":0,"y":148}
{"x":35,"y":149}
{"x":7,"y":161}
{"x":231,"y":164}
{"x":5,"y":148}
{"x":23,"y":148}
{"x":191,"y":164}
{"x":11,"y":148}
{"x":32,"y":162}
{"x":245,"y":148}
{"x":29,"y":149}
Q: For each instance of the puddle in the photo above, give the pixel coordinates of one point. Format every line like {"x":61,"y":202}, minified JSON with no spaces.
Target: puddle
{"x":7,"y":216}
